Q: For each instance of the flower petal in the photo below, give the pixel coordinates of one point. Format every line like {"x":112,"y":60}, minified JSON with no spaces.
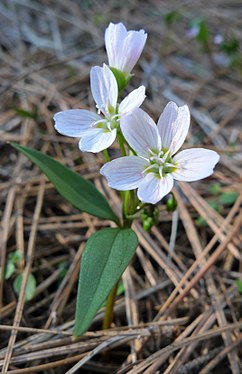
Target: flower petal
{"x":133,"y":100}
{"x":132,"y":48}
{"x":104,"y":88}
{"x":97,"y":140}
{"x":114,"y":36}
{"x":194,"y":164}
{"x":153,"y":189}
{"x":123,"y":47}
{"x":124,"y":173}
{"x":173,"y":126}
{"x":141,"y":132}
{"x":74,"y":122}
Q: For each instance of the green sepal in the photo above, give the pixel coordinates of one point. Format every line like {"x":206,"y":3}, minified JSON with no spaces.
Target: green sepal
{"x":121,"y":78}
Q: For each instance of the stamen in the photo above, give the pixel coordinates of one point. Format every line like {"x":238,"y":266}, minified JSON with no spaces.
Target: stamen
{"x":160,"y":163}
{"x":169,"y":164}
{"x":97,"y":122}
{"x":166,"y":155}
{"x":148,"y":168}
{"x":109,"y":125}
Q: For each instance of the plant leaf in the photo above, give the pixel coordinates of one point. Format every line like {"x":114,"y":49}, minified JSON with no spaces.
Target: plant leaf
{"x":30,"y":287}
{"x":228,"y":198}
{"x":238,"y":283}
{"x":78,"y":191}
{"x":107,"y":254}
{"x":9,"y":270}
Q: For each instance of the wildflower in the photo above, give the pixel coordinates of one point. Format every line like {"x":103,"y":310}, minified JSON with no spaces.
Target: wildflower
{"x":193,"y":32}
{"x":155,"y":166}
{"x":123,"y":47}
{"x":98,"y":132}
{"x":218,"y":39}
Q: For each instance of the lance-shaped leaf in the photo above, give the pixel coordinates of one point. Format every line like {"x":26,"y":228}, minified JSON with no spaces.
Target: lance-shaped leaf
{"x":107,"y":254}
{"x":78,"y":191}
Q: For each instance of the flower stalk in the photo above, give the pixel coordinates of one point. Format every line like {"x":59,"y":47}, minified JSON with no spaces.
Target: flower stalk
{"x":108,"y":316}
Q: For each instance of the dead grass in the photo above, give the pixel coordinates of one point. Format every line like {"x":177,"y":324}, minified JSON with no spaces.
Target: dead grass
{"x":180,"y":310}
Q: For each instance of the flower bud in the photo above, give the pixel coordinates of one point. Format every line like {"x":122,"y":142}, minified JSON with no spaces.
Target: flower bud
{"x":171,"y":203}
{"x":123,"y":47}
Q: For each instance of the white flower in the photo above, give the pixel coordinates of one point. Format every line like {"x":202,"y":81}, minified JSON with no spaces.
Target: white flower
{"x":98,"y":132}
{"x":156,"y":166}
{"x":123,"y":47}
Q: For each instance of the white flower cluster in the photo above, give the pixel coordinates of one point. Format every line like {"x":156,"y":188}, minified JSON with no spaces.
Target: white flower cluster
{"x":98,"y":131}
{"x":154,"y":163}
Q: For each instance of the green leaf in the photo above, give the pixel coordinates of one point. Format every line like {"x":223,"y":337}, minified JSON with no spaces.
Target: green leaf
{"x":215,"y":188}
{"x":78,"y":191}
{"x":25,"y":113}
{"x":203,"y":33}
{"x":120,"y":291}
{"x":107,"y":254}
{"x":9,"y":270}
{"x":121,"y":288}
{"x":172,"y":17}
{"x":228,"y":197}
{"x":15,"y":257}
{"x":63,"y":268}
{"x":200,"y":221}
{"x":230,"y":46}
{"x":30,"y":288}
{"x":238,"y":283}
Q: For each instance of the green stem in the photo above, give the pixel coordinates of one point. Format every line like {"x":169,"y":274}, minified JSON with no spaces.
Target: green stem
{"x":106,"y":155}
{"x":108,"y":317}
{"x":127,"y":209}
{"x":121,"y":143}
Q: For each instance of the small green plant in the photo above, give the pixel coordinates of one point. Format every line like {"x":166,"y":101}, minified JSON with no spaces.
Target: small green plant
{"x":230,"y":46}
{"x":228,"y":198}
{"x":26,"y":113}
{"x":13,"y":268}
{"x":222,"y":199}
{"x":215,"y":188}
{"x":202,"y":31}
{"x":63,"y":268}
{"x":30,"y":287}
{"x":238,"y":283}
{"x":12,"y":264}
{"x":172,"y":17}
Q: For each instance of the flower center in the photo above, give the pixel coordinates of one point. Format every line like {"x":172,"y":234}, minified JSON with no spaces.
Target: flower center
{"x":109,"y":123}
{"x":161,"y":163}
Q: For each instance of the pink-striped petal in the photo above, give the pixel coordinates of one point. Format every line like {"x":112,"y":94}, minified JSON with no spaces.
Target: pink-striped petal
{"x":194,"y":164}
{"x":104,"y":88}
{"x":141,"y":132}
{"x":75,"y":122}
{"x":97,"y":140}
{"x":132,"y":101}
{"x":153,"y":188}
{"x":114,"y":36}
{"x":132,"y":48}
{"x":124,"y":173}
{"x":123,"y":47}
{"x":173,"y":126}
